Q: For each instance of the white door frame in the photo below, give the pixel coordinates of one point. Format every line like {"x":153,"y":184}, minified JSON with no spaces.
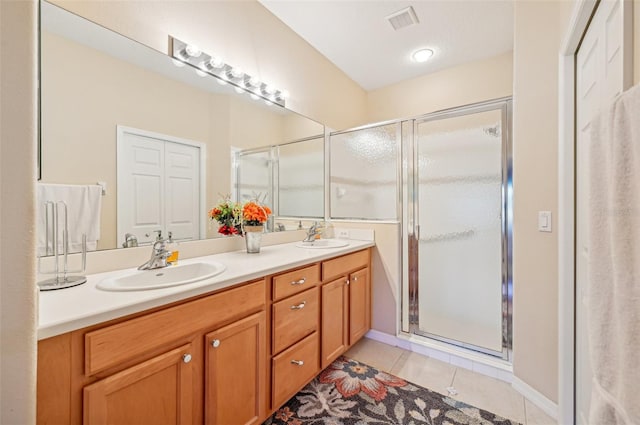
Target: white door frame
{"x":579,"y":22}
{"x":120,"y":132}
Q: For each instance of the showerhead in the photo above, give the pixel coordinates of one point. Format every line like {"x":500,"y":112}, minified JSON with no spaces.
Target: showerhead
{"x":492,"y":131}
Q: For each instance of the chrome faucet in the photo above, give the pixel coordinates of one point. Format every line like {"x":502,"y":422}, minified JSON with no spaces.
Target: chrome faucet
{"x":159,"y":255}
{"x":312,"y":232}
{"x":130,"y":240}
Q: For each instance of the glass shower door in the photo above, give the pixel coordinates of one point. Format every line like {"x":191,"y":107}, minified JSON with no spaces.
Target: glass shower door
{"x":461,"y":229}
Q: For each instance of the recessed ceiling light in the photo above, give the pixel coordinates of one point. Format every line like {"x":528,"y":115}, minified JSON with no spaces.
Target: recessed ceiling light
{"x":422,"y":55}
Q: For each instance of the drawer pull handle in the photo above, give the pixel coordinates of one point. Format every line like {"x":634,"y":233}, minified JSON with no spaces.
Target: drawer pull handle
{"x":299,"y":306}
{"x":186,"y":358}
{"x":299,"y":282}
{"x":215,"y":343}
{"x":297,"y":362}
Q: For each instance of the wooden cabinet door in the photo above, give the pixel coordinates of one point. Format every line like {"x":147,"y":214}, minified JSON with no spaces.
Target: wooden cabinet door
{"x":359,"y":305}
{"x":235,"y":372}
{"x":335,"y":319}
{"x":157,"y":391}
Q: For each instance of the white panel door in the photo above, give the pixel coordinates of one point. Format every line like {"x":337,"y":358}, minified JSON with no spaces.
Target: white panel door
{"x":159,"y":186}
{"x":600,"y":77}
{"x":141,"y":187}
{"x":182,"y":190}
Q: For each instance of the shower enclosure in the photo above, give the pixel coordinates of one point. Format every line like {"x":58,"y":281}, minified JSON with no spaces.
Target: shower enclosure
{"x":457,"y":250}
{"x":289,"y":178}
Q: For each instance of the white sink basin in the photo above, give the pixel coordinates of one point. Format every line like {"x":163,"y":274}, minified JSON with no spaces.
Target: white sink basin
{"x":323,"y":244}
{"x":162,"y":278}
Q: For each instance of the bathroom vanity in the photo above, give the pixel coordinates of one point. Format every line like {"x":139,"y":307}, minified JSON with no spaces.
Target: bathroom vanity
{"x":229,"y":350}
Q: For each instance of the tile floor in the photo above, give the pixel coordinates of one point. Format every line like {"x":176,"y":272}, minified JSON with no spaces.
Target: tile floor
{"x":473,"y":388}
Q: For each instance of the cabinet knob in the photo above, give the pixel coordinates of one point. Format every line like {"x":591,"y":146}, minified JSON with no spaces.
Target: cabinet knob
{"x":186,"y":358}
{"x":299,"y":282}
{"x":299,"y":306}
{"x":297,"y":362}
{"x":215,"y":343}
{"x":355,"y":278}
{"x":347,"y":281}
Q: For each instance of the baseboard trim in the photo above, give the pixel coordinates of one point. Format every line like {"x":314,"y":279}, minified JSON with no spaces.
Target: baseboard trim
{"x":383,"y":337}
{"x":535,"y":397}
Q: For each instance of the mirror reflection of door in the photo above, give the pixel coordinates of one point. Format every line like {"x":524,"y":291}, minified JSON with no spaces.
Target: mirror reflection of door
{"x":159,"y":179}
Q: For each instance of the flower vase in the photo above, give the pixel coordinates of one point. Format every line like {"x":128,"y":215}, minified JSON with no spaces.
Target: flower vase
{"x":253,"y":238}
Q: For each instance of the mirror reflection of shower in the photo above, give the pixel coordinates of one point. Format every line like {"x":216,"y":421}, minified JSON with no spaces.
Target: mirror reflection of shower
{"x":289,"y":177}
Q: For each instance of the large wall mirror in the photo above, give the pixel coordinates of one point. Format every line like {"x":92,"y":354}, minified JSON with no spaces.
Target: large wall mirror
{"x":159,"y":137}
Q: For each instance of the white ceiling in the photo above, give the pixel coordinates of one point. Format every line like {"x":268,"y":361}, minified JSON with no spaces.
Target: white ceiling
{"x":358,"y":39}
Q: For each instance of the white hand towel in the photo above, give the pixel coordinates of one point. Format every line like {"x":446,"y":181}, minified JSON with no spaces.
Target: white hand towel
{"x":84,"y":203}
{"x":614,"y":262}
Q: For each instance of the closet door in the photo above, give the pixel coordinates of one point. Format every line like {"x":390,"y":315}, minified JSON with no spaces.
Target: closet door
{"x":159,"y":186}
{"x":182,"y":191}
{"x":141,"y":187}
{"x":600,"y":77}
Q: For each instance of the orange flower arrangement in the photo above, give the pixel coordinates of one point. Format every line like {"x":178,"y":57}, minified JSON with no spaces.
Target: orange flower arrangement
{"x":231,"y":216}
{"x":255,"y":214}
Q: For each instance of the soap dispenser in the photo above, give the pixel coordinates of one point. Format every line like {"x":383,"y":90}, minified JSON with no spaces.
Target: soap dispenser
{"x":173,"y":248}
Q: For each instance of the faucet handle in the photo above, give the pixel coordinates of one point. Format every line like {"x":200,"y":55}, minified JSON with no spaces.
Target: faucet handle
{"x":158,"y":236}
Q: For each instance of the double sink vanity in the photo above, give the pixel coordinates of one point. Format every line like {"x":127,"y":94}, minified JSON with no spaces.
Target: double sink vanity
{"x":227,"y":348}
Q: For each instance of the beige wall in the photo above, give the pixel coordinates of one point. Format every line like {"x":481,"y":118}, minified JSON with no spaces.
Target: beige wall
{"x":467,"y":83}
{"x":535,"y":162}
{"x":244,"y":34}
{"x":17,"y":238}
{"x":636,"y":38}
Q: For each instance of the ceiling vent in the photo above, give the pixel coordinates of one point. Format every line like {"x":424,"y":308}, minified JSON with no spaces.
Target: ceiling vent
{"x":403,"y":18}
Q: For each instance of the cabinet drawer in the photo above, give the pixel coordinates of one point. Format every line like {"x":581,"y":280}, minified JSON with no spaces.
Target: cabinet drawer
{"x":294,"y":318}
{"x":110,"y":346}
{"x":293,"y":368}
{"x":290,"y":283}
{"x":343,"y":265}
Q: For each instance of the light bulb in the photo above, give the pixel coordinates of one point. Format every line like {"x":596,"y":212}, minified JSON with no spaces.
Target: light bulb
{"x":216,"y":62}
{"x":254,"y":96}
{"x":201,"y":73}
{"x":422,"y":55}
{"x":192,"y":50}
{"x":178,"y":63}
{"x":204,"y":66}
{"x":221,"y":82}
{"x":236,"y":72}
{"x":253,"y":82}
{"x":268,"y":102}
{"x":239,"y":90}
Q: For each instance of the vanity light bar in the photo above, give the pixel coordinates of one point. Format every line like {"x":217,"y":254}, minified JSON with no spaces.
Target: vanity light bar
{"x":206,"y":64}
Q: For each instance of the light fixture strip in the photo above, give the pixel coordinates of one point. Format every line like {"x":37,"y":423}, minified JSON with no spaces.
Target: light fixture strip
{"x":207,"y":64}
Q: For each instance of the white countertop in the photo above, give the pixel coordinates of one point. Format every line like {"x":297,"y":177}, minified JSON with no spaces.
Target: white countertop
{"x":66,"y":310}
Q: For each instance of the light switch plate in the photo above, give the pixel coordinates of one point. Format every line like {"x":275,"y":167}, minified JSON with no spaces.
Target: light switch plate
{"x":544,"y":221}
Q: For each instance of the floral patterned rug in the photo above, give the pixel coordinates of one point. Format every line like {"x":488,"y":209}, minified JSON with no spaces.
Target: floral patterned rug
{"x":350,"y":392}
